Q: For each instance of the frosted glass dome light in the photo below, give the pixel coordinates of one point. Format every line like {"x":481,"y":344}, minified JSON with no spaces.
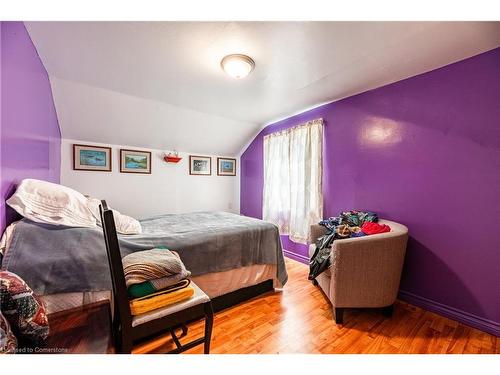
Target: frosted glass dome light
{"x":237,"y":66}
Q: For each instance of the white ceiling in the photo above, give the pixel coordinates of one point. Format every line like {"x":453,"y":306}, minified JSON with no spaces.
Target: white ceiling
{"x":93,"y":114}
{"x":159,"y":84}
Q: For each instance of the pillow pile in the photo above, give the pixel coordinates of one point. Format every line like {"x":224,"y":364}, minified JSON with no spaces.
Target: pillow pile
{"x":48,"y":203}
{"x":124,"y":224}
{"x":25,"y":313}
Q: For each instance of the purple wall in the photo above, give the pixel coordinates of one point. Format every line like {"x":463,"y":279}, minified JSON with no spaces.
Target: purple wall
{"x":29,"y":132}
{"x":425,"y":152}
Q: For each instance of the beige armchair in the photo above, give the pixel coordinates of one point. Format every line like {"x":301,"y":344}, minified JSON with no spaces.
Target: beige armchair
{"x":364,"y":271}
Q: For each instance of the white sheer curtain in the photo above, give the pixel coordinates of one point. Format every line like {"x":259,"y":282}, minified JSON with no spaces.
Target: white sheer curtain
{"x":293,"y":194}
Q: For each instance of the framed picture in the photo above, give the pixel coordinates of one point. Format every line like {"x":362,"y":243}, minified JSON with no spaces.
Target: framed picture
{"x":226,"y":167}
{"x":135,"y":161}
{"x":200,"y":165}
{"x":91,"y":158}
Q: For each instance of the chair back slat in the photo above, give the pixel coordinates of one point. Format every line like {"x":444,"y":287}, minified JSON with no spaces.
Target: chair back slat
{"x":122,"y":315}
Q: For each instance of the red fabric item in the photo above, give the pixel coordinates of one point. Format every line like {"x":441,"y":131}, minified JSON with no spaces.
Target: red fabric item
{"x":374,"y":228}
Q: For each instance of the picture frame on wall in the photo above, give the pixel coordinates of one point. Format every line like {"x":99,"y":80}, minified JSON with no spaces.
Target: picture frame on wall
{"x":200,"y":165}
{"x":91,"y":158}
{"x":226,"y":167}
{"x":135,"y":161}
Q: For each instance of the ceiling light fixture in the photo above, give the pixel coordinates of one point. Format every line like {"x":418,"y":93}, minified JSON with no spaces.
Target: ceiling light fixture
{"x":237,"y":66}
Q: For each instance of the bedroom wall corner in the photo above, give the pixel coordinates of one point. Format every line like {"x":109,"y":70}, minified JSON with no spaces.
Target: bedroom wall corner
{"x":29,"y":131}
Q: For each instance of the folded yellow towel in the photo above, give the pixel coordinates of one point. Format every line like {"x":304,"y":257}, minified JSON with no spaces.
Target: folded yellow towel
{"x":160,"y":299}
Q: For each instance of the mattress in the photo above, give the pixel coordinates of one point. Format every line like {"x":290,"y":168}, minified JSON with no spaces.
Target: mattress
{"x":214,"y":284}
{"x":56,"y":259}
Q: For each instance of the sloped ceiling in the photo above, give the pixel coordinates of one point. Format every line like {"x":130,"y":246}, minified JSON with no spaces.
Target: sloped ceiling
{"x":159,"y":84}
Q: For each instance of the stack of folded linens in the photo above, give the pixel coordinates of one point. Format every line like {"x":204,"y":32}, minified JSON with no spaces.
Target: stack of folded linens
{"x":155,"y":279}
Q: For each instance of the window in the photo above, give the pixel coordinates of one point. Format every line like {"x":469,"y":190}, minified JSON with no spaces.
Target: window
{"x":293,"y":198}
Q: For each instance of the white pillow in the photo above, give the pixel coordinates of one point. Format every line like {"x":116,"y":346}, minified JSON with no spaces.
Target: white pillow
{"x":45,"y":202}
{"x":124,"y":224}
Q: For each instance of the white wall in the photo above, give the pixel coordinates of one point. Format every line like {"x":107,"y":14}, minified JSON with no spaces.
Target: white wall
{"x":94,"y":114}
{"x":168,"y":189}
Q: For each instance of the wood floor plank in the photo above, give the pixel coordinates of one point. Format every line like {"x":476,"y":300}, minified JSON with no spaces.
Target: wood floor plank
{"x":459,"y":339}
{"x":300,"y":320}
{"x":488,"y":343}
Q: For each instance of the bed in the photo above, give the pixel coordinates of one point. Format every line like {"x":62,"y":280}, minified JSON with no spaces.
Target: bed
{"x":231,"y":257}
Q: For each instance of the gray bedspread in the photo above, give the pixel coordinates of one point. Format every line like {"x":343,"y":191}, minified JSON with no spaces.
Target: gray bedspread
{"x":55,"y":259}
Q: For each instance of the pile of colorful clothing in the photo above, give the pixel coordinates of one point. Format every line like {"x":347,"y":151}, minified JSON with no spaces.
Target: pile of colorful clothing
{"x":348,"y":224}
{"x":155,"y":279}
{"x":23,"y":317}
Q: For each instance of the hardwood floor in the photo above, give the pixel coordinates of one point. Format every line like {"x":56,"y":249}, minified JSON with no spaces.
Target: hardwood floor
{"x":85,"y":329}
{"x":299,"y":320}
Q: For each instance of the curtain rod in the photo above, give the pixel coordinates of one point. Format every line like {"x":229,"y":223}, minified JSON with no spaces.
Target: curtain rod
{"x":307,"y":123}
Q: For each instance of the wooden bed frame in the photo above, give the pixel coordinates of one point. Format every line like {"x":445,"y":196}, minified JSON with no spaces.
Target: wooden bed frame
{"x":241,"y":295}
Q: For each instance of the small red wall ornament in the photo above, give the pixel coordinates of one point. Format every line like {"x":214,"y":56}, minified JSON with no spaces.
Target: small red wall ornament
{"x":172,"y":157}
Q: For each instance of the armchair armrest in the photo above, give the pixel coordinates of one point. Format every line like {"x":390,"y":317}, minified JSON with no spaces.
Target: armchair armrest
{"x":316,"y":232}
{"x":367,"y":270}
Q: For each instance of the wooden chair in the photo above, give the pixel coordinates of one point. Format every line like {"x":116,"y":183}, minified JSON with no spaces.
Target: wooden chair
{"x":129,"y":330}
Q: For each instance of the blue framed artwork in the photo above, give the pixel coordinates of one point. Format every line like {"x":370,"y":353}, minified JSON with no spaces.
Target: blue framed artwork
{"x":91,"y":158}
{"x":226,"y":167}
{"x":134,"y":161}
